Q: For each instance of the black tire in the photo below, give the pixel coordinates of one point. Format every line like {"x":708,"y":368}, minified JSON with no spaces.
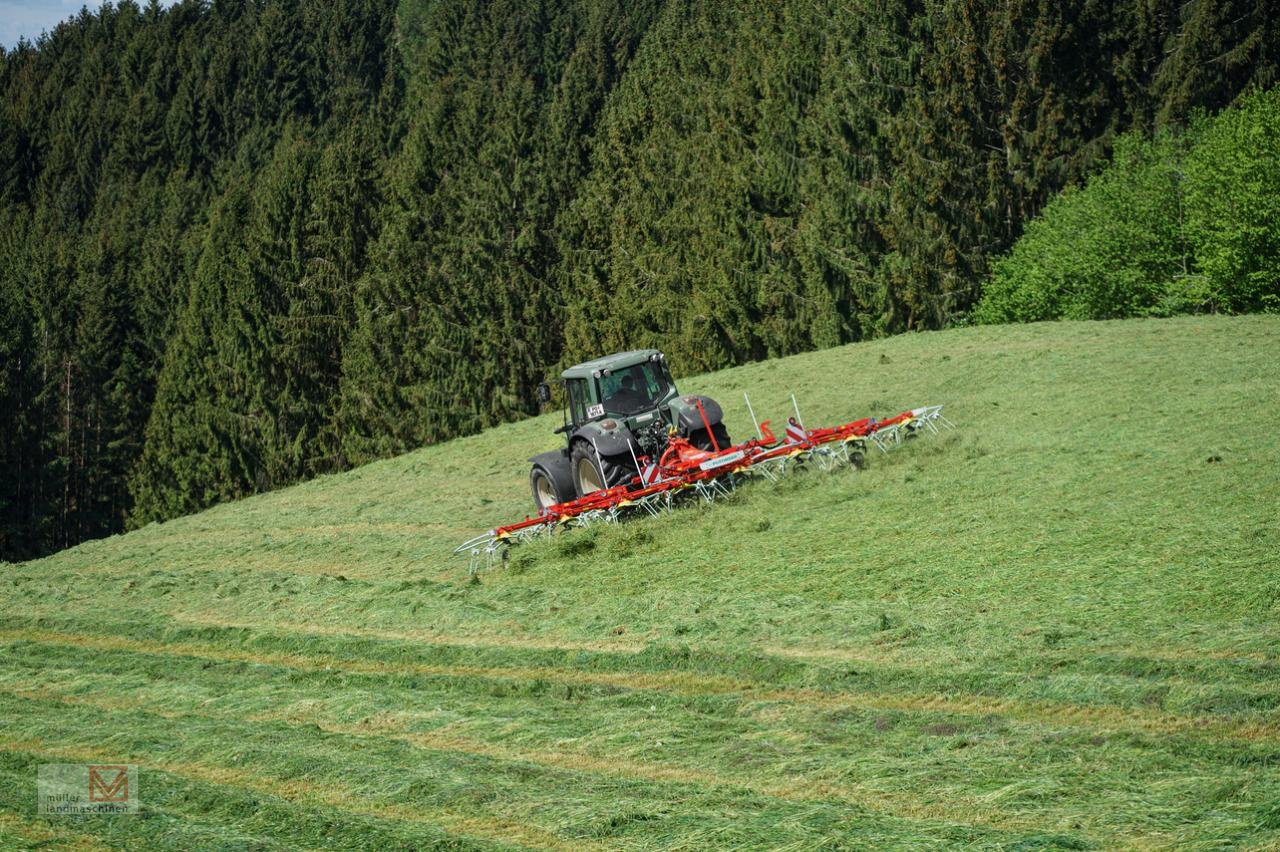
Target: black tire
{"x":554,"y":485}
{"x":700,"y":439}
{"x":586,"y":464}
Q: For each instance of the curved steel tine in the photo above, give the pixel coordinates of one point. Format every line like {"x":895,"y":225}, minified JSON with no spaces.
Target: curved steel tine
{"x":475,"y":543}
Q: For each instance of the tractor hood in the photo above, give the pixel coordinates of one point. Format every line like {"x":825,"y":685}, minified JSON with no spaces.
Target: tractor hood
{"x":687,"y":416}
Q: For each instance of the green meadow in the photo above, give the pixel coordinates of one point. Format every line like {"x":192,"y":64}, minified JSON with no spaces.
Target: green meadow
{"x":1056,"y":627}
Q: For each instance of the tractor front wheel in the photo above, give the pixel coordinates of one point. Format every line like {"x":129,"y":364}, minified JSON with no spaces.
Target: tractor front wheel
{"x":594,"y":472}
{"x":549,"y":488}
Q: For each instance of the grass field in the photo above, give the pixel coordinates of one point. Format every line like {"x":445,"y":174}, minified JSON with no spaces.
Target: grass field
{"x":1056,"y":627}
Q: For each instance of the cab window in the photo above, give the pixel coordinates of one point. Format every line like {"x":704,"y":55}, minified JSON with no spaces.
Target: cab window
{"x":578,"y":400}
{"x":633,"y":389}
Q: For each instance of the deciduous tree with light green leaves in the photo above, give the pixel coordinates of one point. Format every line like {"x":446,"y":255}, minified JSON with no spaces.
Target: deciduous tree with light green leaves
{"x":1186,"y":223}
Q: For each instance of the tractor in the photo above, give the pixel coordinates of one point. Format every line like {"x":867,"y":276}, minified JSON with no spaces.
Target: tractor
{"x":620,"y":411}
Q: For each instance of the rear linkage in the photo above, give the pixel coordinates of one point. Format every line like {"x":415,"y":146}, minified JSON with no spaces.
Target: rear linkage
{"x":683,"y":470}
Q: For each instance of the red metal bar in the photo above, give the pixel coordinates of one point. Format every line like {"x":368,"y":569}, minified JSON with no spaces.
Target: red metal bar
{"x":707,"y":425}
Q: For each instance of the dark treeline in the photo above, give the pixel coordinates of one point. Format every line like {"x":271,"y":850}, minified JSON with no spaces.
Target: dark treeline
{"x":245,"y":243}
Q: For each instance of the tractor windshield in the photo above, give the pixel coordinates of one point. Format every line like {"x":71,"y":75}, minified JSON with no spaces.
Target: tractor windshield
{"x":631,"y":390}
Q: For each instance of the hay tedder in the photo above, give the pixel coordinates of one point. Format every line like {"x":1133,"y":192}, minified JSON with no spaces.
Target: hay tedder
{"x":633,"y":443}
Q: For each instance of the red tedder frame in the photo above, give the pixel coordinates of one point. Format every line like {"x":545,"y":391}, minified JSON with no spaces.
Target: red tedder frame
{"x":709,"y":473}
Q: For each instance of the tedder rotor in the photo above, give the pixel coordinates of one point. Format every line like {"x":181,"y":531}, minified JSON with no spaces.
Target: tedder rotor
{"x":635,"y":443}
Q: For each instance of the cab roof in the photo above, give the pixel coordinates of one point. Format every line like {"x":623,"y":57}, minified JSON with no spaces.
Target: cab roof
{"x":609,"y":362}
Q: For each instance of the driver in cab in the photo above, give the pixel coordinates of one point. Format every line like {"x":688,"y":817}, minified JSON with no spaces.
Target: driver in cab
{"x":626,"y":397}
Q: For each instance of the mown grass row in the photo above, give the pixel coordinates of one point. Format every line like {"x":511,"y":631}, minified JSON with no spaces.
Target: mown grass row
{"x":466,"y":792}
{"x":866,"y":755}
{"x":1228,"y":697}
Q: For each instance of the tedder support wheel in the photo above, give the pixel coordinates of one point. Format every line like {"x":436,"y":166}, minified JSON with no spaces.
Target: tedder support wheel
{"x":587,"y":468}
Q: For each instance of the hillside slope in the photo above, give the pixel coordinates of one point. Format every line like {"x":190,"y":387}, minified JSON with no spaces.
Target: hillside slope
{"x":1057,"y":626}
{"x":243,"y":244}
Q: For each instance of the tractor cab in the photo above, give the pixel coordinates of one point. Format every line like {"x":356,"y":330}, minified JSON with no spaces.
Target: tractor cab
{"x":624,"y":385}
{"x":619,"y":410}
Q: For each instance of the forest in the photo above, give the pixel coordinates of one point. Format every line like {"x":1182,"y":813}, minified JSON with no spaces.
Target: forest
{"x":243,"y":244}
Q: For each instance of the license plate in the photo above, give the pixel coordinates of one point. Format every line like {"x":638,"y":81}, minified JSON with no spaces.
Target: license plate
{"x":721,"y":461}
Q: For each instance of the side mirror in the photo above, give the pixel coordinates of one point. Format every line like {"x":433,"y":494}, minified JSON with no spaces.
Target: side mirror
{"x":544,"y":392}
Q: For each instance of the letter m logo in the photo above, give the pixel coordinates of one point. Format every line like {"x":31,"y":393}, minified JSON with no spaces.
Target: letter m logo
{"x":108,"y":783}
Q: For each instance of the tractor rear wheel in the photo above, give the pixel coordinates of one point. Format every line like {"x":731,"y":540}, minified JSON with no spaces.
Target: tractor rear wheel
{"x":593,"y":472}
{"x":700,"y":439}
